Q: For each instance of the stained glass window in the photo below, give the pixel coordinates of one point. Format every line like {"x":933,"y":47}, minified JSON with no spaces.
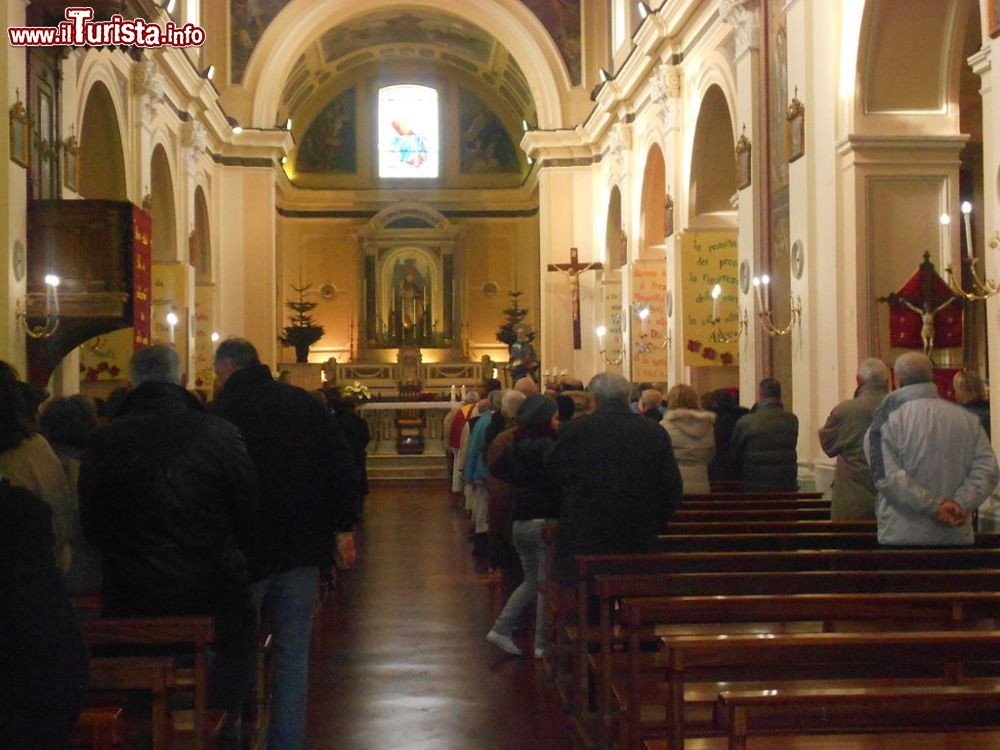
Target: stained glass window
{"x":408,"y":138}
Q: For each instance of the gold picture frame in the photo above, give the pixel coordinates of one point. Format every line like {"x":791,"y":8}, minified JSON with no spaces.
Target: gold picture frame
{"x":71,"y":163}
{"x":744,"y":171}
{"x":795,"y":129}
{"x":20,"y":134}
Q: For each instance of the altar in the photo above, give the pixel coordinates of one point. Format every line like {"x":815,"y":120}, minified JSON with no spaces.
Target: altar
{"x":390,"y":456}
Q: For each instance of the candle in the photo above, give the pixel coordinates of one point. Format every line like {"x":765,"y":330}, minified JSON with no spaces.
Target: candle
{"x":967,"y":216}
{"x":463,"y":394}
{"x":52,"y":295}
{"x":765,"y":296}
{"x":756,"y":291}
{"x":453,"y":393}
{"x":172,"y":322}
{"x":716,"y":293}
{"x":601,"y":333}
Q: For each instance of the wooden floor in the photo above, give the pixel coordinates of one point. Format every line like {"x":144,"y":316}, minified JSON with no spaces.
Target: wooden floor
{"x":399,"y":658}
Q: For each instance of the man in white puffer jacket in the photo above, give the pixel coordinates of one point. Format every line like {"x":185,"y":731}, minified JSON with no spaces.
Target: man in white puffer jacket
{"x":931,"y":462}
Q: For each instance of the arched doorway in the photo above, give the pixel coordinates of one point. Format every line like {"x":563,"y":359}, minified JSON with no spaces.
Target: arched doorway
{"x":102,"y":161}
{"x":162,"y":208}
{"x":713,"y":167}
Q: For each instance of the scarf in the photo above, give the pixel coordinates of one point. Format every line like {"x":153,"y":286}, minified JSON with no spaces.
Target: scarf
{"x":889,"y":404}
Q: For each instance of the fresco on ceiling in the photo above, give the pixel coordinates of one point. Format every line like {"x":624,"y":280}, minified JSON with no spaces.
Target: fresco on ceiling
{"x":248,"y":21}
{"x":393,"y":27}
{"x":329,"y":144}
{"x":486,"y":146}
{"x":561,"y":18}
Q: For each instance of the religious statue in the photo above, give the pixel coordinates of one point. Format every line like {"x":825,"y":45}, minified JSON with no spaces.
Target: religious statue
{"x":927,"y":316}
{"x":409,"y":297}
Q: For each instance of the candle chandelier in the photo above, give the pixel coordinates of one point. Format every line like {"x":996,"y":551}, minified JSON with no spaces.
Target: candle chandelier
{"x":981,"y":289}
{"x":718,"y":335}
{"x":765,"y":313}
{"x":645,"y":344}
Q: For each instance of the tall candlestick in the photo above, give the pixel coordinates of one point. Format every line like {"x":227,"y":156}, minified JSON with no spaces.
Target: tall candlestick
{"x":756,"y":291}
{"x":765,"y":280}
{"x":967,"y":215}
{"x":716,"y":293}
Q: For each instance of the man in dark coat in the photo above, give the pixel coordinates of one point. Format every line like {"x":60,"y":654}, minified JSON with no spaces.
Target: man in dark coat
{"x":618,"y":475}
{"x":43,"y":660}
{"x":309,"y":501}
{"x":764,"y":444}
{"x":168,"y":495}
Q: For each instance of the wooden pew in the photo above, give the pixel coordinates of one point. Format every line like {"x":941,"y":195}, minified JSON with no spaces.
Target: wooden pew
{"x":153,"y":674}
{"x":609,"y":578}
{"x":729,"y":515}
{"x":785,"y":540}
{"x":932,"y":708}
{"x":767,"y":495}
{"x":944,"y":657}
{"x":186,"y":634}
{"x":762,"y":504}
{"x":769,"y":527}
{"x":649,"y":617}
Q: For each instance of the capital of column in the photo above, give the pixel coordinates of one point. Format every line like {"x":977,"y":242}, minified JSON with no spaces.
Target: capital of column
{"x":743,"y":18}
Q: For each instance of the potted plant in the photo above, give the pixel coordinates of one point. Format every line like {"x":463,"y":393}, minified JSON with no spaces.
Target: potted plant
{"x":303,"y":331}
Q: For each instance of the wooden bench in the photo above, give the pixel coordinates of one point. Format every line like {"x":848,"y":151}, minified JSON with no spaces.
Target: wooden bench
{"x":742,"y":713}
{"x":753,"y":495}
{"x":600,"y":577}
{"x":99,"y":728}
{"x":650,"y":617}
{"x":729,"y":515}
{"x":770,"y":527}
{"x":785,"y":540}
{"x":153,"y":674}
{"x":760,"y":504}
{"x":943,"y":659}
{"x":192,"y":635}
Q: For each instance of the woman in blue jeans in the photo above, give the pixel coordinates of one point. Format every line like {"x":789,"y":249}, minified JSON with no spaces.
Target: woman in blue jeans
{"x":536,"y":503}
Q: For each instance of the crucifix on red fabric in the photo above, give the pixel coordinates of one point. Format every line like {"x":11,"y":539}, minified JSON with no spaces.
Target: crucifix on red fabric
{"x":573,"y":269}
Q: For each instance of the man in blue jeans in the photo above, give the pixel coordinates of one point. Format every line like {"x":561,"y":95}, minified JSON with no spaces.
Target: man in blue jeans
{"x":308,"y":501}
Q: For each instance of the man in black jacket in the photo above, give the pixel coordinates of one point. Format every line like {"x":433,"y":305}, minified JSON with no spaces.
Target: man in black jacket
{"x":618,"y":475}
{"x":764,"y":442}
{"x":308,"y":510}
{"x":43,"y":660}
{"x":168,"y":495}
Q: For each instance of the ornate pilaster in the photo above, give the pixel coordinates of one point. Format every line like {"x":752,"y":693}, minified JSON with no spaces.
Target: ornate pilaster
{"x":742,"y":16}
{"x":619,"y":146}
{"x":195,"y":141}
{"x":665,"y":93}
{"x":149,"y":87}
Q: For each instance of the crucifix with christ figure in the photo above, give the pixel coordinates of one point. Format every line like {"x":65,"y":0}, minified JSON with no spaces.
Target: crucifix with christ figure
{"x":573,"y":269}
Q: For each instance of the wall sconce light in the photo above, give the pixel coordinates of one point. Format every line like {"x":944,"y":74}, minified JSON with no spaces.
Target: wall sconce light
{"x":215,"y":337}
{"x":766,"y":315}
{"x":981,"y":289}
{"x":51,"y":324}
{"x":601,"y":332}
{"x":209,"y":72}
{"x":603,"y":75}
{"x":718,"y":335}
{"x":644,"y":10}
{"x":235,"y":125}
{"x":172,"y":321}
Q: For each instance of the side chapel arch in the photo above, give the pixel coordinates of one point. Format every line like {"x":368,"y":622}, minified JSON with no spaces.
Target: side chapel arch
{"x":163,"y":210}
{"x":102,"y":159}
{"x":713,"y":163}
{"x":654,"y":194}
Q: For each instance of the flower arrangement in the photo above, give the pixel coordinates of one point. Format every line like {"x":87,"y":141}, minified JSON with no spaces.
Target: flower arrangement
{"x":357,"y":391}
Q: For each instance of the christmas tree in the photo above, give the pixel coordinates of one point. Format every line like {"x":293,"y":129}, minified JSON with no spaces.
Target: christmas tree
{"x":508,"y":333}
{"x":303,"y":331}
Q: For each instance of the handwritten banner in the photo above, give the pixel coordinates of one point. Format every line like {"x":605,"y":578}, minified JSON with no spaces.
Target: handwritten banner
{"x":649,"y":352}
{"x":709,"y":258}
{"x":204,"y":348}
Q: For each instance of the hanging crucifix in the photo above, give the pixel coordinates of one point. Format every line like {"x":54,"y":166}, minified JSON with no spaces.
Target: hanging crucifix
{"x":573,"y":269}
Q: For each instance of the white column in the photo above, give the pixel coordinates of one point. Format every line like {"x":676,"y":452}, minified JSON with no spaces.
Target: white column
{"x":743,"y":17}
{"x":13,"y":192}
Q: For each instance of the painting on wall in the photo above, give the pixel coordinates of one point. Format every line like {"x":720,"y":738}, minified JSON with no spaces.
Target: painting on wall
{"x":561,"y":18}
{"x":249,"y":20}
{"x":486,"y":145}
{"x":329,"y":144}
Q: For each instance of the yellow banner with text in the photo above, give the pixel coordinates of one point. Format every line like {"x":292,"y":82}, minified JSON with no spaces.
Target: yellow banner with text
{"x":709,"y":258}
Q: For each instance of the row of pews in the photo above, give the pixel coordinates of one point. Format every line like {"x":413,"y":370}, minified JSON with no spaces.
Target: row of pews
{"x":156,"y":692}
{"x":749,"y":623}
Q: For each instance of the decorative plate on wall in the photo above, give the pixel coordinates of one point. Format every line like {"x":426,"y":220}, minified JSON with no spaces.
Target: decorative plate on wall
{"x":798,"y":259}
{"x":745,"y":277}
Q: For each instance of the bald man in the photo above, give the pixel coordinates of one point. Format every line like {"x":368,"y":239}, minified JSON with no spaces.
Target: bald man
{"x":527,"y":386}
{"x":931,"y":462}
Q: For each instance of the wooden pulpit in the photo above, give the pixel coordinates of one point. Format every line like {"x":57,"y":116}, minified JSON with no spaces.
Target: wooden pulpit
{"x":101,"y":252}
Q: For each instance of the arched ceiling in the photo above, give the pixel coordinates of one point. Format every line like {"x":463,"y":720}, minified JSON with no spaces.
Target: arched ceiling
{"x":399,"y":35}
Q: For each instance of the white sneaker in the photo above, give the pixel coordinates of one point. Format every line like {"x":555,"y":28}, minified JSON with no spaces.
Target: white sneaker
{"x":504,"y":643}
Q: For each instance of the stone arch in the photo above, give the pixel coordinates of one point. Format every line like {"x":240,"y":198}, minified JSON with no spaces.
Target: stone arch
{"x":615,"y":252}
{"x":201,"y":239}
{"x":301,"y":21}
{"x":909,"y":63}
{"x":162,"y":207}
{"x":652,"y":212}
{"x":712,"y":180}
{"x":102,"y":157}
